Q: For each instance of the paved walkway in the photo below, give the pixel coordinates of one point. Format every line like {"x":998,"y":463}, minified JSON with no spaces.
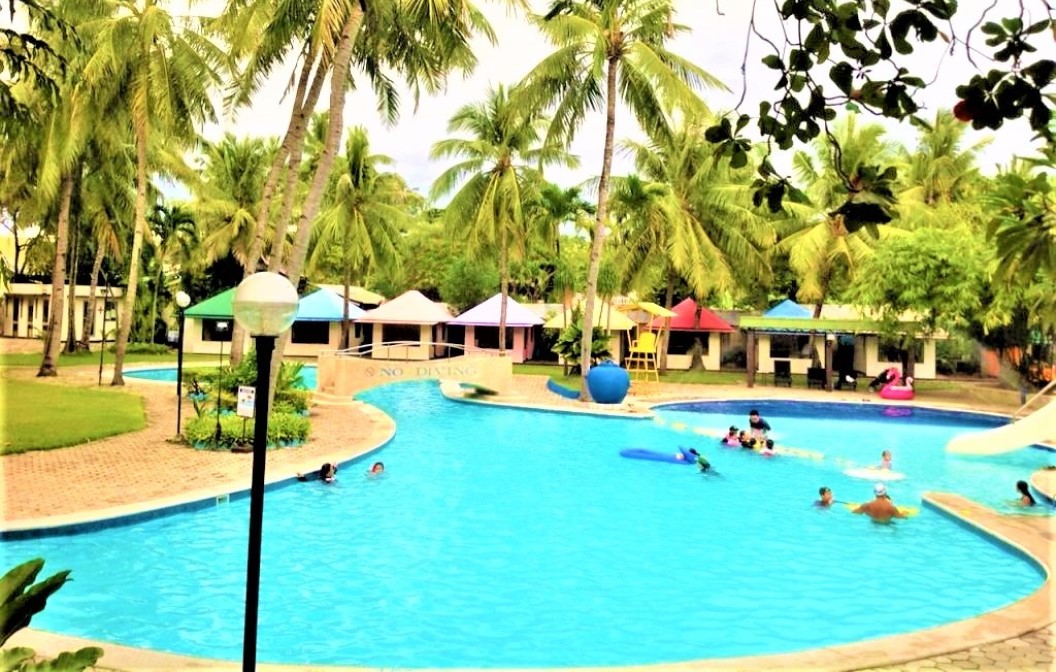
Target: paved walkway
{"x":127,"y":470}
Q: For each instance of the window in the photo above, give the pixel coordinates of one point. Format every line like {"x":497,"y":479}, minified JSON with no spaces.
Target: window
{"x":789,"y":346}
{"x":681,"y":342}
{"x":216,"y":330}
{"x":488,"y":337}
{"x":401,"y":332}
{"x":891,"y":350}
{"x":317,"y":333}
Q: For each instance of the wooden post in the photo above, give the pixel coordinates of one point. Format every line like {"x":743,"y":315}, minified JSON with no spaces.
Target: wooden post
{"x":830,"y":341}
{"x":750,"y":357}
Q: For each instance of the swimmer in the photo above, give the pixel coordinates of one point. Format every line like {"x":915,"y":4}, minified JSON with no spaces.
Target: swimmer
{"x":731,"y":439}
{"x":702,"y":462}
{"x":826,"y":497}
{"x":885,"y":460}
{"x":881,"y":509}
{"x":745,"y":439}
{"x":758,"y":426}
{"x":328,"y":472}
{"x":1025,"y":498}
{"x":767,"y":448}
{"x":377,"y":469}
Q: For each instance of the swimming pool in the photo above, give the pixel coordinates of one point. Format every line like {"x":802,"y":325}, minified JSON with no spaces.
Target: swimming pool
{"x":502,"y":538}
{"x":168,"y":374}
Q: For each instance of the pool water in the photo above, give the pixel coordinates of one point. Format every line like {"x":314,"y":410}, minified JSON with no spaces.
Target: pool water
{"x":515,"y":538}
{"x":168,"y":374}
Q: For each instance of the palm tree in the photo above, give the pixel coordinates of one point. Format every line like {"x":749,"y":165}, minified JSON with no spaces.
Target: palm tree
{"x":175,"y":241}
{"x":821,"y":243}
{"x":497,"y":175}
{"x":1021,"y":206}
{"x":363,"y":225}
{"x":941,"y":170}
{"x":163,"y":73}
{"x":608,"y":50}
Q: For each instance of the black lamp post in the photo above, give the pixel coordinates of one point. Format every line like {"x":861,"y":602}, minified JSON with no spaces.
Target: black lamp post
{"x":221,"y":327}
{"x":182,"y":301}
{"x":265,"y":304}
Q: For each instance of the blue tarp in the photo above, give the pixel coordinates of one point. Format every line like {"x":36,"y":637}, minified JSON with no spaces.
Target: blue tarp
{"x":789,"y":309}
{"x":324,"y":305}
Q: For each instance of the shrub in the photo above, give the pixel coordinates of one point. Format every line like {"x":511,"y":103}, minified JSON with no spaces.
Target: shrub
{"x":284,"y":429}
{"x":297,"y":400}
{"x":144,"y":349}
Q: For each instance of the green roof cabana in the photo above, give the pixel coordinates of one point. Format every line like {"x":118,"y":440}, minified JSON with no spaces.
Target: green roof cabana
{"x":216,"y":307}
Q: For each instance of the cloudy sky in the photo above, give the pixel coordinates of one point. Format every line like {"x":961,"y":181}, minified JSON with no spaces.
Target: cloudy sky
{"x":716,"y":42}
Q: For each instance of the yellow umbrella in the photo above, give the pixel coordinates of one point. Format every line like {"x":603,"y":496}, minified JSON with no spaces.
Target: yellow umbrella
{"x":604,"y":318}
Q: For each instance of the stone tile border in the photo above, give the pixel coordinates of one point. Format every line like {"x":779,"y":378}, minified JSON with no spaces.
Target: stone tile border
{"x":1024,"y":622}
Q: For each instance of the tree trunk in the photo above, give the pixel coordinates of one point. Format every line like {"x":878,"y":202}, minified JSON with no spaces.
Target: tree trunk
{"x":71,"y":274}
{"x":344,"y":309}
{"x":599,"y":229}
{"x":338,"y":91}
{"x":289,"y":197}
{"x":58,"y":281}
{"x":154,"y":301}
{"x":89,"y":323}
{"x":504,"y":287}
{"x":129,"y":307}
{"x":293,"y":141}
{"x":665,"y":331}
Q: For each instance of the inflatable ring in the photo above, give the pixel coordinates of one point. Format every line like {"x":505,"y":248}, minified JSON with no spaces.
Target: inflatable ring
{"x":874,"y":474}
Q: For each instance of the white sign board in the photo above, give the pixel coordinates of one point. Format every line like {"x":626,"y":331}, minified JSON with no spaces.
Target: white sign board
{"x":246,"y":400}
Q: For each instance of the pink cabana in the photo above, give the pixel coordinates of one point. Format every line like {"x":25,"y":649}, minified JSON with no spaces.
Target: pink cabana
{"x":482,"y":327}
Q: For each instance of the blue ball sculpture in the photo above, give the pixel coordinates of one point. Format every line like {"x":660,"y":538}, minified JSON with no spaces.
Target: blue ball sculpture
{"x":608,"y":383}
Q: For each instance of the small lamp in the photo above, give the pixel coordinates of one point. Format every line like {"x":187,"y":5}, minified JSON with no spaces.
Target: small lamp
{"x":183,"y":299}
{"x":265,"y":305}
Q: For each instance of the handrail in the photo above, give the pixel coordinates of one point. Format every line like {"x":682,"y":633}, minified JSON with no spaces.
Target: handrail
{"x":367,"y":348}
{"x":1044,"y":390}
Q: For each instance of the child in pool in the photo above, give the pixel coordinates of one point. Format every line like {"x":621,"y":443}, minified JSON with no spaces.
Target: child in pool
{"x":745,"y":439}
{"x":1025,"y":498}
{"x":885,"y":460}
{"x":702,"y":462}
{"x":731,"y":439}
{"x":767,"y":448}
{"x":377,"y":469}
{"x":826,"y":497}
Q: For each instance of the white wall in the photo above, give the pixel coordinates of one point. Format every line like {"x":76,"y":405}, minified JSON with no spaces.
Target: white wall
{"x":32,"y":298}
{"x":712,"y":360}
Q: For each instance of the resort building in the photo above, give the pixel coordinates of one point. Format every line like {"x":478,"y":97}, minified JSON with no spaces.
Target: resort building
{"x":27,"y":305}
{"x":607,"y":317}
{"x":410,"y":327}
{"x":788,"y":338}
{"x":481,"y":324}
{"x":694,"y":324}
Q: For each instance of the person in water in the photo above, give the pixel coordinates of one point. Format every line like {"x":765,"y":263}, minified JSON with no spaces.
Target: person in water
{"x":885,"y":460}
{"x":377,"y":469}
{"x":768,"y":449}
{"x":881,"y":509}
{"x":702,"y":462}
{"x":731,"y":438}
{"x":1025,"y":498}
{"x":758,"y":426}
{"x":745,"y":439}
{"x":327,"y":473}
{"x":826,"y":497}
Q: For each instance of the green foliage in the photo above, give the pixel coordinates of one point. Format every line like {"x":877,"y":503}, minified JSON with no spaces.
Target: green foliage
{"x":246,"y":374}
{"x":145,"y":349}
{"x":569,"y":343}
{"x":468,"y":282}
{"x":935,"y":274}
{"x":862,"y":55}
{"x":294,"y":399}
{"x":22,"y":598}
{"x":283,"y":429}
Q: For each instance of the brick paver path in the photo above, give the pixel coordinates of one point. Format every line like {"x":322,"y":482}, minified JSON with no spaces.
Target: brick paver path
{"x":145,"y":465}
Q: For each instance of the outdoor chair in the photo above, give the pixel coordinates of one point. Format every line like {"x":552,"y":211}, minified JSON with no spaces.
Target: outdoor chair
{"x":847,"y":380}
{"x":816,"y":377}
{"x":782,"y":373}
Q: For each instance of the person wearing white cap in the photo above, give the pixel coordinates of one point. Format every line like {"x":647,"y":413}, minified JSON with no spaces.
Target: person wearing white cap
{"x":881,"y":509}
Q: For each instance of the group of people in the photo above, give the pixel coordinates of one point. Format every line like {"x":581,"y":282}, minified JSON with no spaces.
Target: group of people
{"x":754,"y":438}
{"x":328,"y":472}
{"x":881,"y":509}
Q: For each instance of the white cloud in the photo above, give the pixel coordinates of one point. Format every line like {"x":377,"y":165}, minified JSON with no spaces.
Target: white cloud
{"x":716,"y":43}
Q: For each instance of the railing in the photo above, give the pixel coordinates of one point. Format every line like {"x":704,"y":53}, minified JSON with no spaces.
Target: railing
{"x":367,"y":349}
{"x":1039,"y":395}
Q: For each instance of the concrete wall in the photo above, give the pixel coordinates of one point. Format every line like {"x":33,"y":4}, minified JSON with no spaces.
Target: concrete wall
{"x":344,"y":375}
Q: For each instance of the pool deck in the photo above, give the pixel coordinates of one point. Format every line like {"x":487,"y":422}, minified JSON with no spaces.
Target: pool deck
{"x":144,"y":470}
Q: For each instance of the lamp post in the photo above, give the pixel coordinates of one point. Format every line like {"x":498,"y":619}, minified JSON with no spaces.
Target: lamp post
{"x":265,"y":305}
{"x":221,"y":327}
{"x":182,"y":301}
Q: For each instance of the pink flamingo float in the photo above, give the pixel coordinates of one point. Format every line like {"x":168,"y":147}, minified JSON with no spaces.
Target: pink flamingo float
{"x":894,"y":388}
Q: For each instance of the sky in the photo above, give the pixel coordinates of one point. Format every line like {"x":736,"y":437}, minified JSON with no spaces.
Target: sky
{"x":716,"y":42}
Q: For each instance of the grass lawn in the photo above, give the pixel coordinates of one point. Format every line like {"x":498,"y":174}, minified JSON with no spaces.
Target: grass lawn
{"x":691,"y":377}
{"x":37,"y":416}
{"x":89,"y":358}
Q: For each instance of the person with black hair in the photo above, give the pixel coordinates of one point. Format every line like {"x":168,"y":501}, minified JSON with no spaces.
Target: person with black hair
{"x":1025,"y":498}
{"x":758,"y":426}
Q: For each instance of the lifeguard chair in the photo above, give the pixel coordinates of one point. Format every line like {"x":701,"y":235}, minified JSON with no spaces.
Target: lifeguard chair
{"x":644,"y":341}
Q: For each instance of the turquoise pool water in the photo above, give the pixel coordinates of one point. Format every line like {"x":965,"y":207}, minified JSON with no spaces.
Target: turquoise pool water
{"x":168,"y":374}
{"x":510,"y":538}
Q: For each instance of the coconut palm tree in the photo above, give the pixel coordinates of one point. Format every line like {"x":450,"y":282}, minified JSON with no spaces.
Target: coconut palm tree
{"x":496,"y":176}
{"x":821,"y":241}
{"x":362,"y":226}
{"x":163,"y":73}
{"x":609,"y":50}
{"x":941,"y":170}
{"x":175,"y":242}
